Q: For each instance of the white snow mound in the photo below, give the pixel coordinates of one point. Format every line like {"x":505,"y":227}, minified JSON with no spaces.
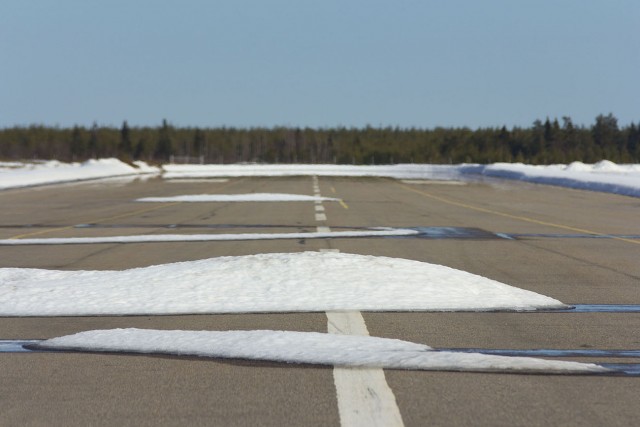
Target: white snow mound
{"x":251,"y":197}
{"x":53,"y":172}
{"x":305,"y":347}
{"x":289,"y":282}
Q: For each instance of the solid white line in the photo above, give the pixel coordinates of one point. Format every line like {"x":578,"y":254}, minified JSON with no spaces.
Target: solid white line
{"x":364,"y":397}
{"x":153,"y":238}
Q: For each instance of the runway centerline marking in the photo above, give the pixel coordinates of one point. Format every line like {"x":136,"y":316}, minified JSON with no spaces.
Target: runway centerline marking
{"x":517,"y":217}
{"x":364,"y":397}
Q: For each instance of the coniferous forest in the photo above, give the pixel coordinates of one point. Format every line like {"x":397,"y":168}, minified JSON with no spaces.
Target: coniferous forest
{"x":545,"y":142}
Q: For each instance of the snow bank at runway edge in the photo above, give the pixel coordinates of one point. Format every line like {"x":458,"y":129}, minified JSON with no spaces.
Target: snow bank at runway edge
{"x":603,"y":176}
{"x":50,"y":172}
{"x":402,"y":171}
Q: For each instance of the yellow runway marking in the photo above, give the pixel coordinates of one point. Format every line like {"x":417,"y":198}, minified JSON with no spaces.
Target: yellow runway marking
{"x":518,"y":217}
{"x":343,"y":204}
{"x":35,"y":233}
{"x":139,"y":211}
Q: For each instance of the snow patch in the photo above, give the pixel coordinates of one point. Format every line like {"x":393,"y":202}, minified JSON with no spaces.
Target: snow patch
{"x":281,"y":282}
{"x":251,"y":197}
{"x":306,"y":347}
{"x":577,"y":167}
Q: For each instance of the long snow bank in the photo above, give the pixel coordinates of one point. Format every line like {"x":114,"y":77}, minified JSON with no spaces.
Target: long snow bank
{"x":251,"y":197}
{"x":284,"y":282}
{"x":402,"y":171}
{"x":306,"y":347}
{"x":604,"y":176}
{"x":14,"y":175}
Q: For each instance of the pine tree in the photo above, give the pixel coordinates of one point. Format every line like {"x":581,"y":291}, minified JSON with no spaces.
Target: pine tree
{"x":125,"y":148}
{"x":164,"y":148}
{"x":93,"y":141}
{"x":77,"y":145}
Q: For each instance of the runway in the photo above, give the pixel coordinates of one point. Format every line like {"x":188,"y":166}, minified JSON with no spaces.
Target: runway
{"x":576,"y":246}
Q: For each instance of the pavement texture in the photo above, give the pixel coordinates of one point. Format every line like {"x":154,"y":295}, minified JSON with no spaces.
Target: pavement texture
{"x":109,"y":389}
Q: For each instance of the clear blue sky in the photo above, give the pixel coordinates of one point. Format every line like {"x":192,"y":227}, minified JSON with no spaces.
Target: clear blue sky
{"x":318,"y":63}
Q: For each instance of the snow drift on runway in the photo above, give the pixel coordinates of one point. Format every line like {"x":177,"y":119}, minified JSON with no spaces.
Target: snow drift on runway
{"x":305,"y":347}
{"x":290,"y":282}
{"x":251,"y":197}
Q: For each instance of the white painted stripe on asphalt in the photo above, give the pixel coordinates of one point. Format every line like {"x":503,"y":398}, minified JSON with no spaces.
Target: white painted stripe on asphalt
{"x":364,"y":397}
{"x":321,"y":217}
{"x":319,"y":208}
{"x":154,"y":238}
{"x":323,"y":229}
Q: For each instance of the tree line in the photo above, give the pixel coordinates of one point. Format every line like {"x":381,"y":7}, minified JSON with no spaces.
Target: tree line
{"x":544,"y":142}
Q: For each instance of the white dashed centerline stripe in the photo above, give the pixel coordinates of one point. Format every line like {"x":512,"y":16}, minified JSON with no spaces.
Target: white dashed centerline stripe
{"x":364,"y":397}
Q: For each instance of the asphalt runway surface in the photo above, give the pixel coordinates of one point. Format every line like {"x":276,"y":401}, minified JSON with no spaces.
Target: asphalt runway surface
{"x":575,"y":246}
